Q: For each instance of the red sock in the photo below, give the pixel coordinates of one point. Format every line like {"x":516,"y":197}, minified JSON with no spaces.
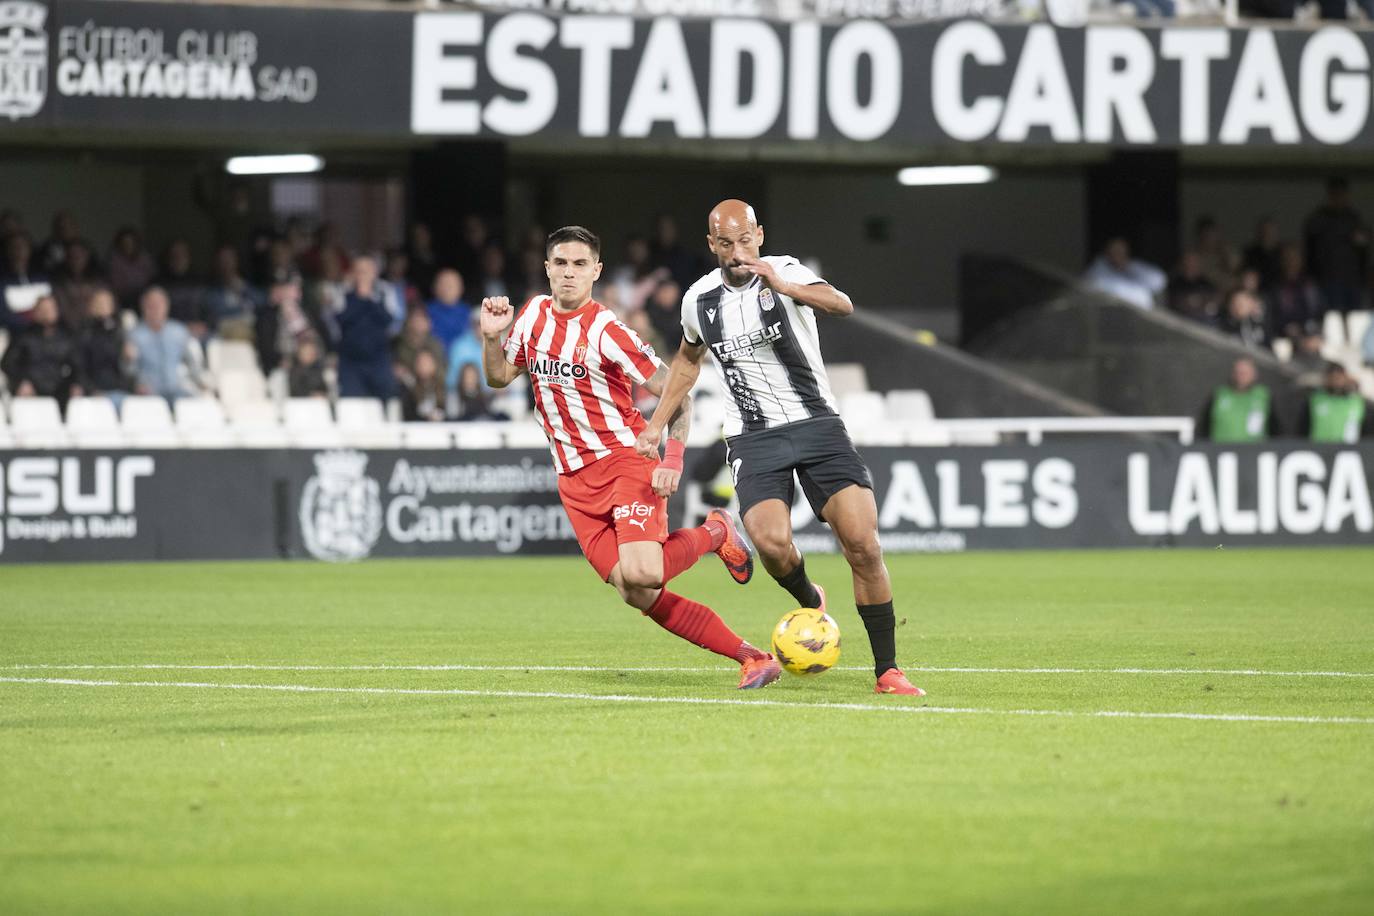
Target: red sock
{"x":698,"y":624}
{"x":682,"y":549}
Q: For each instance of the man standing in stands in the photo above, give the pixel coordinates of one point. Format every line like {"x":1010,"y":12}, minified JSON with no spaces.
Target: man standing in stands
{"x":1336,"y":412}
{"x":365,"y":336}
{"x":1241,"y":411}
{"x":1117,"y":274}
{"x":1337,"y":245}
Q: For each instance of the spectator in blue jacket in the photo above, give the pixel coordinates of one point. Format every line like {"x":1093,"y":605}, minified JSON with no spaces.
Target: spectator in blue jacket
{"x":448,"y":313}
{"x":364,"y":336}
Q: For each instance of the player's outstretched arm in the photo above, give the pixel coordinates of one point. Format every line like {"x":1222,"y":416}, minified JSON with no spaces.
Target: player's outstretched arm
{"x":676,"y":390}
{"x":497,"y":315}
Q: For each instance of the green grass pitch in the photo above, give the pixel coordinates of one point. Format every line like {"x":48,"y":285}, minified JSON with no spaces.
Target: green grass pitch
{"x":485,"y":796}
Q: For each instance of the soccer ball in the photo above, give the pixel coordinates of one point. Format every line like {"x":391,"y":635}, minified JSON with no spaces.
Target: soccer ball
{"x":807,"y":641}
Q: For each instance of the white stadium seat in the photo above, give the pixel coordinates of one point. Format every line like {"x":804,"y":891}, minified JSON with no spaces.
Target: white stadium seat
{"x":230,"y":355}
{"x":201,"y":423}
{"x":865,"y":415}
{"x":478,"y":434}
{"x":147,"y":423}
{"x":1333,"y":330}
{"x":255,"y":424}
{"x":239,"y":385}
{"x":363,"y":423}
{"x":37,"y":423}
{"x":309,"y":424}
{"x":93,"y":423}
{"x":708,"y":419}
{"x":525,"y":434}
{"x":1358,"y":323}
{"x":1283,"y":349}
{"x":846,"y":378}
{"x":427,"y":435}
{"x":909,"y":404}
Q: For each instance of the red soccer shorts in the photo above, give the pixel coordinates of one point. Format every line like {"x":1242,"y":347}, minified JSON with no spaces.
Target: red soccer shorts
{"x":612,"y":502}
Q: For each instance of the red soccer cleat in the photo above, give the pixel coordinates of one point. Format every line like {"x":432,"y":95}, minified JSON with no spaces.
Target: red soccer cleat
{"x":894,"y":682}
{"x":734,"y":552}
{"x":758,"y":672}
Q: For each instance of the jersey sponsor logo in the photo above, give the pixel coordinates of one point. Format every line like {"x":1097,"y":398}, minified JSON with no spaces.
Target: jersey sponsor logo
{"x":743,"y":345}
{"x":637,"y":513}
{"x":558,"y":371}
{"x":766,"y":300}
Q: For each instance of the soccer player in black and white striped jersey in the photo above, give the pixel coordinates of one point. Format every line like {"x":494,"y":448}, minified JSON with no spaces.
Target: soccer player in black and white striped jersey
{"x":757,"y":317}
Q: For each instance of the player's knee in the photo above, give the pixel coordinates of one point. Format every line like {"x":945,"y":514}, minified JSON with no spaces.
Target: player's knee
{"x":862,"y":552}
{"x":773,"y":545}
{"x":641,"y":575}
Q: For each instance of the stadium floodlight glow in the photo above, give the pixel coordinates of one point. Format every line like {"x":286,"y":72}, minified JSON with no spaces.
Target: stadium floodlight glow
{"x":291,"y":164}
{"x":925,"y":175}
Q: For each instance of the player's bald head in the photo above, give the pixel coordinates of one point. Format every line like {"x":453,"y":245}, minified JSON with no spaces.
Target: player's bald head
{"x":731,"y":214}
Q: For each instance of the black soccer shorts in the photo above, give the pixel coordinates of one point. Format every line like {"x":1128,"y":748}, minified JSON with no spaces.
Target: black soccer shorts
{"x":818,"y":452}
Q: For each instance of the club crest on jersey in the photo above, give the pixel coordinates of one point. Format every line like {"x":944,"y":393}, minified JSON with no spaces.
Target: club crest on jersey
{"x":743,"y":345}
{"x":766,"y":300}
{"x":580,"y":352}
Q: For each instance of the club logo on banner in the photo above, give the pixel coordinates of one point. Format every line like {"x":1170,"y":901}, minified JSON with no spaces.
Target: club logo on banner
{"x":341,"y":508}
{"x":23,"y":58}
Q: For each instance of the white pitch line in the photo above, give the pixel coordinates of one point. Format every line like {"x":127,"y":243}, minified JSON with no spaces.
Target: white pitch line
{"x":1237,"y":672}
{"x":703,"y":701}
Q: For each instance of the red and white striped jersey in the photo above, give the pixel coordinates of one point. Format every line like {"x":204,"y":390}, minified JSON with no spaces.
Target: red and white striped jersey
{"x":582,"y":365}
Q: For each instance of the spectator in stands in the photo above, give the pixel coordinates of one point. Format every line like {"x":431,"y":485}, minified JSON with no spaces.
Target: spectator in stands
{"x":1191,"y":293}
{"x":186,"y":292}
{"x":1116,"y":273}
{"x":468,"y":255}
{"x":682,"y":265}
{"x":129,"y":267}
{"x":494,"y":281}
{"x":413,"y":340}
{"x":422,"y":263}
{"x":665,"y":314}
{"x":305,"y":378}
{"x":449,"y":315}
{"x":1241,"y":411}
{"x":75,"y":282}
{"x":397,"y":273}
{"x":474,"y":400}
{"x":1337,"y":242}
{"x":324,"y":296}
{"x":44,"y":359}
{"x":10,"y":224}
{"x":281,"y":263}
{"x":231,"y":302}
{"x":1264,"y":253}
{"x":1244,"y":318}
{"x":1218,"y":259}
{"x":326,"y":244}
{"x":640,"y":324}
{"x":466,"y":350}
{"x":1292,"y":302}
{"x":423,"y":396}
{"x":168,"y":361}
{"x":21,"y":285}
{"x":1336,"y":412}
{"x":532,"y":280}
{"x":364,"y":336}
{"x":52,"y":254}
{"x":1307,"y":353}
{"x":637,"y":277}
{"x":281,"y":323}
{"x":107,"y":358}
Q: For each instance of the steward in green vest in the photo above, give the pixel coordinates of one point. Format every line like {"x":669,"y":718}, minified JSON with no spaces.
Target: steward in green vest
{"x":1241,"y":411}
{"x":1336,"y":412}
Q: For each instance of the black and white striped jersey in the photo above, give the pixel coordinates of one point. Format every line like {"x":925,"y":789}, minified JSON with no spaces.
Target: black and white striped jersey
{"x":765,"y":347}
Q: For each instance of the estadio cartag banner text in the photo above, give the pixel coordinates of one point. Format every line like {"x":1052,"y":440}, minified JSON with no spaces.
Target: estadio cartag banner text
{"x":184,"y":68}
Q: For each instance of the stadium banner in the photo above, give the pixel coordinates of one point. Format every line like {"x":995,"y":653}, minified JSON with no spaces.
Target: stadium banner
{"x":348,"y":504}
{"x":194,"y":67}
{"x":524,"y":74}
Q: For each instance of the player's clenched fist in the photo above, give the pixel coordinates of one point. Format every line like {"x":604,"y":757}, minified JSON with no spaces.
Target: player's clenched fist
{"x":496,"y":315}
{"x":665,"y":480}
{"x":647,"y":442}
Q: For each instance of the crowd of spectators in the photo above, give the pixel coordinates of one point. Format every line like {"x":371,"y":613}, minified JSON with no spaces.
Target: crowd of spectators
{"x":395,"y":325}
{"x":1274,"y":294}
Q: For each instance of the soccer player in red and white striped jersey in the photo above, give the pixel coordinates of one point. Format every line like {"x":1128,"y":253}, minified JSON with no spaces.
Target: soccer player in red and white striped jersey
{"x":582,"y":364}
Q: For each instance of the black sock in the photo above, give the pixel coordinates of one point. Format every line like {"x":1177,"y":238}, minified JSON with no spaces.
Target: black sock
{"x":880,"y":620}
{"x":800,"y":587}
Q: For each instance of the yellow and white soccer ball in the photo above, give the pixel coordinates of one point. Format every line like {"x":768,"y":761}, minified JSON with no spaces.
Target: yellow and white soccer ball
{"x":807,"y":641}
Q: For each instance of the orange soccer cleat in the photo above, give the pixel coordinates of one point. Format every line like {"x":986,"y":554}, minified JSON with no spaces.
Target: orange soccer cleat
{"x":759,"y":671}
{"x":734,"y":551}
{"x":894,"y":682}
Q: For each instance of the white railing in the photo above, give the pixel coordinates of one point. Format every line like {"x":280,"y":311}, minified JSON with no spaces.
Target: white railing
{"x":1034,"y":428}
